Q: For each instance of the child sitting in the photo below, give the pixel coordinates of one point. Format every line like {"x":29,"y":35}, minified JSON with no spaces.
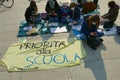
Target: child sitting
{"x":74,"y":15}
{"x":53,"y":10}
{"x":31,"y":12}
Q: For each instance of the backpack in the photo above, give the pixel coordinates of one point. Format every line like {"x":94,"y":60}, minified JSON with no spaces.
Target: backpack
{"x":94,"y":42}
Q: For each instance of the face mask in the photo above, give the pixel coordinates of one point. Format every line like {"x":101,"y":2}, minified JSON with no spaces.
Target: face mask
{"x":72,"y":8}
{"x":94,"y":23}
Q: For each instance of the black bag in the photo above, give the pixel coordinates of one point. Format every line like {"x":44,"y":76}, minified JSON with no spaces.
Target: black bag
{"x":94,"y":42}
{"x":118,"y":29}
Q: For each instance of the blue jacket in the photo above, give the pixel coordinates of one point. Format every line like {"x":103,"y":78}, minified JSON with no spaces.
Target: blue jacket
{"x":85,"y":29}
{"x":75,"y":14}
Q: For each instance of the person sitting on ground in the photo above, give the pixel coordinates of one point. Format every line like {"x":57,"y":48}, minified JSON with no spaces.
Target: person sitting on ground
{"x":53,"y":10}
{"x":74,"y":15}
{"x":110,"y":17}
{"x":89,"y":32}
{"x":30,"y":12}
{"x":89,"y":28}
{"x":64,"y":8}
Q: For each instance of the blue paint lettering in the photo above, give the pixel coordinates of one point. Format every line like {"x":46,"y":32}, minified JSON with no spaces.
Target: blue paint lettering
{"x":48,"y":59}
{"x":57,"y":61}
{"x":29,"y":60}
{"x":44,"y":57}
{"x":76,"y":57}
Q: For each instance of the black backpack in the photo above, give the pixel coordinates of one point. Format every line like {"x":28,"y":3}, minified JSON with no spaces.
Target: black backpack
{"x":94,"y":42}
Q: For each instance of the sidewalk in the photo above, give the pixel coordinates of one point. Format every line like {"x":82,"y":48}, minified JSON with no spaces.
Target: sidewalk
{"x":103,"y":64}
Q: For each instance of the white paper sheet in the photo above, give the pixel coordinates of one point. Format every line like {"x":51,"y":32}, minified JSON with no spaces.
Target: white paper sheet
{"x":58,"y":30}
{"x":27,"y":28}
{"x":76,"y":27}
{"x":52,"y":24}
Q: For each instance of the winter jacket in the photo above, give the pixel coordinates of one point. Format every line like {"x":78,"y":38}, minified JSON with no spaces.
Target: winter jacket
{"x":112,"y":13}
{"x":75,"y":14}
{"x":56,"y":9}
{"x":85,"y":29}
{"x":28,"y":13}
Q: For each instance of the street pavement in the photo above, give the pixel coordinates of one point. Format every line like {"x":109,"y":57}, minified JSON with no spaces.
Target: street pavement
{"x":102,"y":64}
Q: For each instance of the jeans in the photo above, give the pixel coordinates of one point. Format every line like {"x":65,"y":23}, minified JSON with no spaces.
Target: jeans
{"x":108,"y":24}
{"x":53,"y":19}
{"x":100,"y":34}
{"x":82,"y":36}
{"x":79,"y":35}
{"x":70,"y":20}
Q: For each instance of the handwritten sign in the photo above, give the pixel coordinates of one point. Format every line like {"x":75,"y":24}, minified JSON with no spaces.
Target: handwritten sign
{"x":41,"y":55}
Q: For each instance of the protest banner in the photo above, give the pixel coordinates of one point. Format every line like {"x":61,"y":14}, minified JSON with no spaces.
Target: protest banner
{"x":42,"y":55}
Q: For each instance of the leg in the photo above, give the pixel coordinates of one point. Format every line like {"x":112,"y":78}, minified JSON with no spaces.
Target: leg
{"x":78,"y":22}
{"x":108,"y":24}
{"x":51,"y":19}
{"x":79,"y":35}
{"x":56,"y":19}
{"x":69,"y":20}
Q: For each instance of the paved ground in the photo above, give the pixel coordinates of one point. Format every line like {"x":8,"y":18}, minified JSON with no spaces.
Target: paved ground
{"x":103,"y":64}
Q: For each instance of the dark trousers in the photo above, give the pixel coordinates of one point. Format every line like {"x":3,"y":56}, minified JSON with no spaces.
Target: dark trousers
{"x":108,"y":24}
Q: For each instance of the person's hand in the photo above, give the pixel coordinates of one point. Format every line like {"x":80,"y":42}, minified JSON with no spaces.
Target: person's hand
{"x":55,"y":14}
{"x":49,"y":13}
{"x":93,"y":34}
{"x":101,"y":20}
{"x":70,"y":24}
{"x":68,"y":16}
{"x":74,"y":22}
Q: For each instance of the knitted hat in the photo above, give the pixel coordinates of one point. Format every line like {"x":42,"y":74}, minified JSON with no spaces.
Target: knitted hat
{"x":51,"y":3}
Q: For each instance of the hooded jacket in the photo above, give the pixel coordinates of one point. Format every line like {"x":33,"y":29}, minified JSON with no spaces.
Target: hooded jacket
{"x":56,"y":6}
{"x":112,"y":13}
